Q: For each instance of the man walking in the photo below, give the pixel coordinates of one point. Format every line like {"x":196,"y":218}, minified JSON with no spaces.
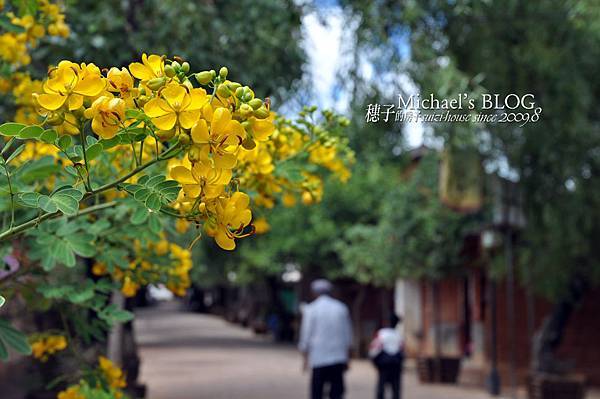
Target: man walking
{"x":325,"y":341}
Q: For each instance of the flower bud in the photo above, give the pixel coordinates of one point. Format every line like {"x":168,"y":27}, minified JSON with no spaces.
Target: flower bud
{"x":262,"y":113}
{"x":246,"y":110}
{"x":55,"y":120}
{"x":239,"y":92}
{"x":142,"y":100}
{"x":255,"y":103}
{"x":248,"y":143}
{"x":248,"y":94}
{"x":233,"y":86}
{"x":223,"y":91}
{"x":185,"y":67}
{"x":194,"y":153}
{"x":170,"y":71}
{"x":156,"y":83}
{"x":176,"y":65}
{"x":204,"y":77}
{"x":223,"y":72}
{"x":184,"y":138}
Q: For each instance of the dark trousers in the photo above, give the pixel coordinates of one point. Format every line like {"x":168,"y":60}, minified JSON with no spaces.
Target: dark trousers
{"x":328,"y":375}
{"x":391,"y":376}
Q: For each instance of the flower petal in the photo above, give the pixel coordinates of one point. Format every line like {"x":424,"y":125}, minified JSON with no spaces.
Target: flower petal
{"x":200,"y":132}
{"x":51,"y":102}
{"x":220,"y":119}
{"x":165,"y":122}
{"x":188,"y":118}
{"x":90,"y":86}
{"x":75,"y":102}
{"x":223,"y":240}
{"x":140,"y":71}
{"x":157,"y":107}
{"x":225,"y":161}
{"x":183,"y":175}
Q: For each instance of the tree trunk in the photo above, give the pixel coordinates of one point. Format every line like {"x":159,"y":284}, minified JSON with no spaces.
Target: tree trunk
{"x":550,"y":335}
{"x":357,"y":319}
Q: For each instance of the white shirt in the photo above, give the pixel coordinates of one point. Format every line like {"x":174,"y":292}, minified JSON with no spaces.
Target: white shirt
{"x":326,"y":332}
{"x":388,"y":340}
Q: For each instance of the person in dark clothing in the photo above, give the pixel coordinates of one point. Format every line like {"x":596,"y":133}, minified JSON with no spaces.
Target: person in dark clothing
{"x":386,"y":351}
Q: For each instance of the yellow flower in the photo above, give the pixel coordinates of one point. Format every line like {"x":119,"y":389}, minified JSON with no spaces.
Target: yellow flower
{"x":113,"y":374}
{"x":222,"y":140}
{"x":69,"y":83}
{"x":108,"y":115}
{"x":99,"y":269}
{"x":201,"y":179}
{"x":129,"y":288}
{"x":71,"y":393}
{"x":45,"y":346}
{"x":182,"y":225}
{"x":162,"y":247}
{"x":288,"y":200}
{"x":177,"y":105}
{"x":150,"y":68}
{"x":120,"y":81}
{"x":261,"y":226}
{"x":263,"y":128}
{"x":232,"y":217}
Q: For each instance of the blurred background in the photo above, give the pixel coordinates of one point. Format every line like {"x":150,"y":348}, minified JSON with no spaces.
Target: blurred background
{"x":483,"y":237}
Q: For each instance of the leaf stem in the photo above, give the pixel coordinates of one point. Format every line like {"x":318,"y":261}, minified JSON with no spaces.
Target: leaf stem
{"x":24,"y":226}
{"x":87,"y":169}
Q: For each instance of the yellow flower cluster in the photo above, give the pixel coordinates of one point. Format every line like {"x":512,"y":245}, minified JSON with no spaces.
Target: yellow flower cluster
{"x":48,"y":20}
{"x":160,"y":262}
{"x":287,"y":143}
{"x":44,"y":346}
{"x":230,"y":140}
{"x":114,"y":376}
{"x":213,"y":129}
{"x":72,"y":392}
{"x":111,"y":376}
{"x":15,"y":46}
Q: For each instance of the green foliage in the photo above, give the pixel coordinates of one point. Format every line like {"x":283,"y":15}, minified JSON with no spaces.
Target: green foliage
{"x":154,"y":191}
{"x":58,"y":242}
{"x":12,"y":338}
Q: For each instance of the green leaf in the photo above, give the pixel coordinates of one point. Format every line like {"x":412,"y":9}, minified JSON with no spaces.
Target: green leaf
{"x":16,"y":153}
{"x":29,"y":199}
{"x":67,"y":201}
{"x":139,"y":216}
{"x":142,"y":194}
{"x":153,"y":202}
{"x":110,"y":143}
{"x":154,"y":223}
{"x":64,"y":142}
{"x":47,"y":204}
{"x":11,"y":129}
{"x":49,"y":136}
{"x":3,"y":351}
{"x":63,"y":253}
{"x":82,"y":244}
{"x":31,"y":132}
{"x":94,"y":151}
{"x":2,"y":301}
{"x":14,"y":338}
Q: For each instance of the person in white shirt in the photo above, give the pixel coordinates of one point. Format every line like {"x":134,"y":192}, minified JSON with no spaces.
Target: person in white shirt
{"x":386,"y":351}
{"x":325,"y":341}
